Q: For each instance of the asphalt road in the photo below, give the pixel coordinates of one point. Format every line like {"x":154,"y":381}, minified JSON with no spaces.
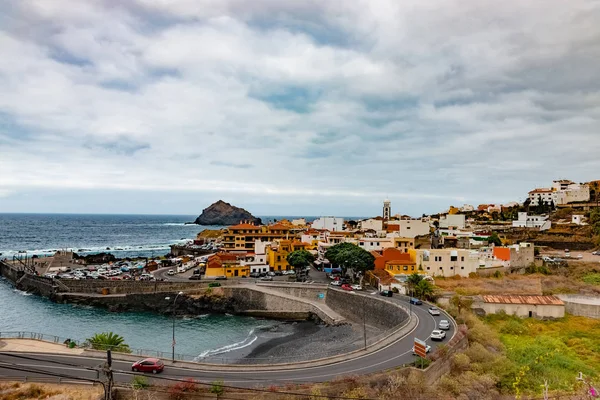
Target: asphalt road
{"x":392,"y":356}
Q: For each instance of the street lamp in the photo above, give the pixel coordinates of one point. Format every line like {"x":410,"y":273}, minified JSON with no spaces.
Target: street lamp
{"x":174,"y":301}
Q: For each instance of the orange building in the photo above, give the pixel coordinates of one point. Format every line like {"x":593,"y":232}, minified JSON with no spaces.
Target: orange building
{"x":225,"y":264}
{"x":241,"y":237}
{"x":502,"y":253}
{"x":394,"y":261}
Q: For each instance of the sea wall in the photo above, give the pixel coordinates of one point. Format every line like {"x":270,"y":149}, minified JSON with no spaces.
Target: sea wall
{"x":377,"y":311}
{"x":9,"y":272}
{"x":126,"y":287}
{"x":313,"y":292}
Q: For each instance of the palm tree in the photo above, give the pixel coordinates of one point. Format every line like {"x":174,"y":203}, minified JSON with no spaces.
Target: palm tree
{"x":108,"y":341}
{"x":412,"y":281}
{"x":424,"y":289}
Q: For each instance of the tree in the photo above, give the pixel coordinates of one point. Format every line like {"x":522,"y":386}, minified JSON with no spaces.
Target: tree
{"x":424,"y":290}
{"x":108,"y":341}
{"x":348,"y":255}
{"x":412,"y":281}
{"x":460,"y":302}
{"x":300,"y":259}
{"x":494,"y":239}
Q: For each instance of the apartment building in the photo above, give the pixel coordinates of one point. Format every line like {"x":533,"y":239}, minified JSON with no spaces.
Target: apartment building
{"x":241,"y":238}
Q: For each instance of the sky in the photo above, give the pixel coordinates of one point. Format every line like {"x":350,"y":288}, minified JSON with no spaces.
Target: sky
{"x":294,"y":107}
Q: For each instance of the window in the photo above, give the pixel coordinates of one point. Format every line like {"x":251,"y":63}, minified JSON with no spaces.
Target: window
{"x":462,"y":258}
{"x":462,"y":267}
{"x":453,"y":258}
{"x":440,"y":268}
{"x":451,"y":267}
{"x":406,"y":267}
{"x":428,"y":268}
{"x":278,"y":258}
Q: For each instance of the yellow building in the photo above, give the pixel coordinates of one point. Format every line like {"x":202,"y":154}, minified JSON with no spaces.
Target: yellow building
{"x":278,"y":251}
{"x":403,"y":244}
{"x":225,"y":264}
{"x":241,"y":237}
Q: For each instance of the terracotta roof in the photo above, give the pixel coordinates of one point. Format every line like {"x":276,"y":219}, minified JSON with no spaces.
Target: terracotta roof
{"x":279,"y":227}
{"x":542,"y":190}
{"x":515,"y":299}
{"x":244,"y":226}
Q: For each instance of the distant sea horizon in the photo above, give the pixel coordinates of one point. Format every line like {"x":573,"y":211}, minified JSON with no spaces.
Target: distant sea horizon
{"x":124,"y":235}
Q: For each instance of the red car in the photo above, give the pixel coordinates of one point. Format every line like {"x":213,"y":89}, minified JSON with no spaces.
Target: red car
{"x":347,"y":287}
{"x":153,"y":365}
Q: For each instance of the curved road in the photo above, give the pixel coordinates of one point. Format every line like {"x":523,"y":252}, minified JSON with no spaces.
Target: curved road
{"x":394,"y":355}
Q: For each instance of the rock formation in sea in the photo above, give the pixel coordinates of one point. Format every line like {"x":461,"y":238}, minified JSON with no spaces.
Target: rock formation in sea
{"x":221,"y":213}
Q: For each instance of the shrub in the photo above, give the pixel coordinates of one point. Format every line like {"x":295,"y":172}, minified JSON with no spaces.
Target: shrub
{"x":497,"y":274}
{"x":180,"y":390}
{"x":395,"y":290}
{"x":216,"y":387}
{"x":140,"y":382}
{"x":461,"y":362}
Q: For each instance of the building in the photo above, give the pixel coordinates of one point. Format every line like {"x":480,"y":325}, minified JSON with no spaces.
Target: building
{"x":225,"y":264}
{"x":403,"y":244}
{"x":332,"y":224}
{"x":456,"y":221}
{"x":241,"y":238}
{"x":299,"y":222}
{"x":394,"y":261}
{"x":515,"y":256}
{"x":467,"y":208}
{"x":257,"y":262}
{"x":278,"y":251}
{"x":409,"y":228}
{"x":446,"y":262}
{"x":541,"y":307}
{"x":562,"y":192}
{"x":541,"y":196}
{"x":375,"y":224}
{"x":375,"y":243}
{"x":387,"y":209}
{"x":540,"y":222}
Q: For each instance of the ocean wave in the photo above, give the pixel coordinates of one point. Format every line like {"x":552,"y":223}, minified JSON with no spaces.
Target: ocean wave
{"x":95,"y":249}
{"x":251,"y":338}
{"x":21,"y":292}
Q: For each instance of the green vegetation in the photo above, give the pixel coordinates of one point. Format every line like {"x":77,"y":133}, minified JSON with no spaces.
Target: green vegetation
{"x":592,"y":278}
{"x":348,"y":255}
{"x":494,"y":239}
{"x":300,"y":259}
{"x":140,"y":382}
{"x":108,"y":341}
{"x":420,"y":287}
{"x":554,"y":351}
{"x":216,"y":387}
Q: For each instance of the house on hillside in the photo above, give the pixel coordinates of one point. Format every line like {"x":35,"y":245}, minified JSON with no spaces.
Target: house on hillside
{"x":540,"y":307}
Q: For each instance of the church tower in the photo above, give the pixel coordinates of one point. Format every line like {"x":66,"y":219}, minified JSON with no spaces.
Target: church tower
{"x":387,"y":209}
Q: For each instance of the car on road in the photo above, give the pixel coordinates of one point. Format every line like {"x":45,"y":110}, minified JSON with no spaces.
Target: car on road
{"x":596,"y":253}
{"x":580,"y":256}
{"x":336,"y":283}
{"x":438,"y":335}
{"x":356,"y":287}
{"x":266,"y":278}
{"x":170,"y":272}
{"x":427,"y":349}
{"x":416,"y":301}
{"x":386,"y":293}
{"x":444,"y":324}
{"x":433,"y":311}
{"x":278,"y":273}
{"x":347,"y":287}
{"x":221,"y":278}
{"x":153,"y":365}
{"x":214,"y":284}
{"x":254,"y":274}
{"x":197,"y":271}
{"x":195,"y":277}
{"x":270,"y":273}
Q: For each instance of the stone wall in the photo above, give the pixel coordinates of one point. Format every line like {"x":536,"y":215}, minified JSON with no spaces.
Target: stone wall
{"x":585,"y":306}
{"x":311,"y":292}
{"x":9,"y":272}
{"x":124,"y":287}
{"x":36,"y":284}
{"x":378,"y":312}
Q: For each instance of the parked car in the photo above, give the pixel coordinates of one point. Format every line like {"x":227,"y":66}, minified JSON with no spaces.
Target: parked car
{"x":596,"y":253}
{"x":438,"y":335}
{"x":580,"y":256}
{"x":416,"y":301}
{"x":347,"y":287}
{"x":444,"y":324}
{"x":270,"y":273}
{"x":356,"y":287}
{"x":254,"y":274}
{"x":336,"y":283}
{"x":170,"y":272}
{"x":433,"y":311}
{"x":266,"y":278}
{"x":196,"y":271}
{"x":214,"y":284}
{"x":278,"y":273}
{"x":386,"y":293}
{"x":195,"y":277}
{"x":221,"y":278}
{"x":427,"y":349}
{"x":153,"y":365}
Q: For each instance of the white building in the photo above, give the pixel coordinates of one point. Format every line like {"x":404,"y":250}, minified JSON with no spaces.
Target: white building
{"x":577,"y":220}
{"x":299,"y":222}
{"x":372,"y":223}
{"x":447,"y":262}
{"x":375,"y":243}
{"x":332,"y":224}
{"x":562,"y":192}
{"x":456,"y":221}
{"x":540,"y":222}
{"x":408,"y":227}
{"x":258,"y":262}
{"x":467,"y":208}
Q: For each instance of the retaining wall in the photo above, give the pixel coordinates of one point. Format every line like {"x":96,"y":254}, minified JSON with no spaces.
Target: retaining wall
{"x":311,"y":292}
{"x":124,"y":287}
{"x":9,"y":272}
{"x":377,"y":311}
{"x":585,"y":306}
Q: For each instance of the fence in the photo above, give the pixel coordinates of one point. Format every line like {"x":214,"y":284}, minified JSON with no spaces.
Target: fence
{"x":37,"y":336}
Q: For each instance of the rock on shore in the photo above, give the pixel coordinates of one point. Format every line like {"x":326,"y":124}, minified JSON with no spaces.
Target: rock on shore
{"x":221,"y":213}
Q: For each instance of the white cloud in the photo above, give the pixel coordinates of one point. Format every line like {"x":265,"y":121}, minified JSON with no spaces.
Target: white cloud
{"x":293,"y":102}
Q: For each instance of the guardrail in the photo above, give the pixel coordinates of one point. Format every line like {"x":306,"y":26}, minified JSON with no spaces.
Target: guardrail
{"x":37,"y":336}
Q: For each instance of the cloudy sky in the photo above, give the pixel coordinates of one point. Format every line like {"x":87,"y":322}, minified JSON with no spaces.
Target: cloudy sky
{"x":294,"y":107}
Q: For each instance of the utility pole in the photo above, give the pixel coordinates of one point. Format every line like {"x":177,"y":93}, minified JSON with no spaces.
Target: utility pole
{"x":107,"y":369}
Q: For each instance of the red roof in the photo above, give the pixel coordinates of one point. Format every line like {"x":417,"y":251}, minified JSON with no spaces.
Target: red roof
{"x":279,"y":227}
{"x":515,"y":299}
{"x":542,"y":190}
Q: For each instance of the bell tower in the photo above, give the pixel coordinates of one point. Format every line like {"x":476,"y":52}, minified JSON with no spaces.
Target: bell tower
{"x":387,"y":209}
